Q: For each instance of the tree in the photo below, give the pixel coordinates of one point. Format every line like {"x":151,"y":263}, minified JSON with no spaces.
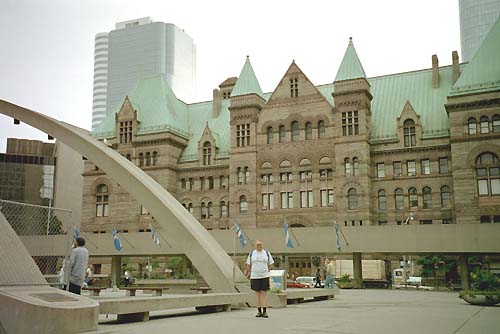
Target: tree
{"x":431,"y":265}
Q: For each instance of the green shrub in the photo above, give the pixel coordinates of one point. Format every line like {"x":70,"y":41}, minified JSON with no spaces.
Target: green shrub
{"x":484,"y":281}
{"x":275,"y":290}
{"x":344,"y":278}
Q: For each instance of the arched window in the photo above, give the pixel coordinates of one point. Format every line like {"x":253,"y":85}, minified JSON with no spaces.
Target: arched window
{"x":410,"y":138}
{"x":382,"y":200}
{"x":445,"y":197}
{"x":204,"y":211}
{"x":496,"y":123}
{"x":270,"y":135}
{"x":155,"y":158}
{"x":309,"y":131}
{"x":207,"y":153}
{"x":282,"y":134}
{"x":352,"y":199}
{"x":223,"y":209}
{"x":243,"y":204}
{"x":148,"y":159}
{"x":399,"y":199}
{"x":129,"y":157}
{"x":295,"y":131}
{"x":210,"y":210}
{"x":355,"y":167}
{"x":427,"y":195}
{"x":347,"y":167}
{"x":413,"y":197}
{"x":190,"y":208}
{"x":101,"y":201}
{"x":141,"y":159}
{"x":247,"y":175}
{"x":240,"y":173}
{"x":321,"y":129}
{"x":485,"y":124}
{"x":488,"y":174}
{"x":472,"y":126}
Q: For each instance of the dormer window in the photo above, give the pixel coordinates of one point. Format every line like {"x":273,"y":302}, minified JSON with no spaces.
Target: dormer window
{"x":294,"y":87}
{"x":207,"y":153}
{"x":125,"y":132}
{"x":409,"y":133}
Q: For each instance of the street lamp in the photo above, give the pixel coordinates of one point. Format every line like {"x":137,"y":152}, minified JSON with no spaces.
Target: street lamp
{"x":409,"y":219}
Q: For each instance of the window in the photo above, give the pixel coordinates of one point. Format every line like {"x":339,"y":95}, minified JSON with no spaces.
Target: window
{"x":445,"y":197}
{"x":411,"y":169}
{"x":125,"y":132}
{"x":381,"y":170}
{"x":210,"y":182}
{"x":202,"y":183}
{"x":183,"y":184}
{"x":190,"y":208}
{"x":382,"y":200}
{"x":321,"y":129}
{"x":484,"y":123}
{"x":247,"y":175}
{"x":222,"y":182}
{"x":155,"y":158}
{"x":129,"y":157}
{"x":242,"y":135}
{"x":496,"y":123}
{"x":425,"y":166}
{"x":204,"y":211}
{"x":413,"y":198}
{"x":148,"y":159}
{"x":287,"y":200}
{"x":223,"y":209}
{"x":306,"y":199}
{"x":427,"y":195}
{"x":282,"y":134}
{"x":398,"y":168}
{"x":210,"y":212}
{"x":355,"y":167}
{"x":286,"y":177}
{"x":443,"y":165}
{"x":266,"y":178}
{"x":485,"y":220}
{"x":102,"y":201}
{"x":243,"y":204}
{"x":347,"y":167}
{"x":141,"y":159}
{"x":267,"y":201}
{"x":207,"y":153}
{"x":352,"y":199}
{"x":488,"y":174}
{"x":270,"y":135}
{"x":241,"y":175}
{"x":326,"y":197}
{"x":425,"y":222}
{"x":305,"y":175}
{"x":409,"y":134}
{"x":294,"y":87}
{"x":350,"y":123}
{"x":191,"y":184}
{"x":309,"y":131}
{"x":447,"y":221}
{"x":472,"y":126}
{"x":295,"y":131}
{"x":326,"y":173}
{"x":399,"y":199}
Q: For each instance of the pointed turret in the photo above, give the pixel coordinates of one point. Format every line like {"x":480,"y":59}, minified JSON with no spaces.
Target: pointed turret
{"x":247,"y":82}
{"x":350,"y":67}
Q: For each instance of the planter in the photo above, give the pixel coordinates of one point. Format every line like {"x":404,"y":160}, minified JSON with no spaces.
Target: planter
{"x":345,"y":285}
{"x":480,"y":298}
{"x":276,"y":300}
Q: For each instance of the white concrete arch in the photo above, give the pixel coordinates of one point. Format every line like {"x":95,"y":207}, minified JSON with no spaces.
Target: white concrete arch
{"x":180,"y":228}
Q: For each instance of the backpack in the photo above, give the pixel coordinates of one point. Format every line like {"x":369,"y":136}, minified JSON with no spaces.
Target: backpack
{"x":250,"y":256}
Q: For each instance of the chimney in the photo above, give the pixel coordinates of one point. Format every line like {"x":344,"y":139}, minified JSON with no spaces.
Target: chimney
{"x":456,"y":68}
{"x":216,"y":103}
{"x":435,"y":71}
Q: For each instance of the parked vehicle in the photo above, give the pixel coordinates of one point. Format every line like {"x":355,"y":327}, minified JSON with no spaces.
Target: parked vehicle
{"x":398,"y":278}
{"x":292,"y":284}
{"x":309,"y":280}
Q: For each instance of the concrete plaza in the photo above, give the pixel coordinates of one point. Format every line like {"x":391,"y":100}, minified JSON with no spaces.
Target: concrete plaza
{"x":351,"y":312}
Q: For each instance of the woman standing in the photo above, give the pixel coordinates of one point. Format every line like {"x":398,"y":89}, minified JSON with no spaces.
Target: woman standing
{"x":258,"y":264}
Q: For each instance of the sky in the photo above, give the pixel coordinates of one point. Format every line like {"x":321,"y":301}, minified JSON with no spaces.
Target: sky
{"x":47,"y":46}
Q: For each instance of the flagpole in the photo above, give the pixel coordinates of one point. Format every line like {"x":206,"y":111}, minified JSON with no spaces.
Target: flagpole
{"x":234,"y":256}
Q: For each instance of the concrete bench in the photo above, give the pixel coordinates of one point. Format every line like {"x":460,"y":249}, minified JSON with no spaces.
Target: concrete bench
{"x":138,"y":308}
{"x":94,"y":291}
{"x":203,"y":289}
{"x":156,"y":290}
{"x":295,"y":296}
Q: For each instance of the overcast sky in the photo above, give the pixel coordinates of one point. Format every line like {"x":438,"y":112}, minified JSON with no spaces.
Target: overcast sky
{"x":47,"y":46}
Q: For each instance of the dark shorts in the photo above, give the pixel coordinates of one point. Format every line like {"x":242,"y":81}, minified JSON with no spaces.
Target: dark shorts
{"x":259,"y":284}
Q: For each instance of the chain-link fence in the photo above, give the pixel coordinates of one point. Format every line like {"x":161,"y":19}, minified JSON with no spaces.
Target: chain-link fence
{"x":46,"y":232}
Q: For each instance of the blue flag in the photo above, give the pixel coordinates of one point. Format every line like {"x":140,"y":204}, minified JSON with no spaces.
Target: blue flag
{"x":240,"y":235}
{"x":337,"y":229}
{"x":76,"y":232}
{"x":288,"y":239}
{"x":154,"y":235}
{"x":116,"y":240}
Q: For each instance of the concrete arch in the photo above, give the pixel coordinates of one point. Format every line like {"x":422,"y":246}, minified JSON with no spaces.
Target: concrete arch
{"x":182,"y":229}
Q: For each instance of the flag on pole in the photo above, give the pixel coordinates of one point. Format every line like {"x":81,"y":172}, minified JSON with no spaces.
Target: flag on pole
{"x":116,"y":240}
{"x":337,"y":230}
{"x":288,"y":239}
{"x":76,"y":232}
{"x":240,"y":234}
{"x":154,"y":235}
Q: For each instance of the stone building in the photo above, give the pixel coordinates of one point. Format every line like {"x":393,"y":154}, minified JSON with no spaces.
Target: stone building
{"x":418,"y":147}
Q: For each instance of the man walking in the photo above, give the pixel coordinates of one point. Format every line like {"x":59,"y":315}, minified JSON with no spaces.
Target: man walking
{"x":258,"y":264}
{"x":77,"y":265}
{"x":330,"y":274}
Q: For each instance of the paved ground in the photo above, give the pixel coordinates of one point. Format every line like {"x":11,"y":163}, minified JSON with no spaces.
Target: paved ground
{"x":352,"y":312}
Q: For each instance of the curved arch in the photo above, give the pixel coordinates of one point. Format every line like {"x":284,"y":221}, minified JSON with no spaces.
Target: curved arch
{"x":266,"y":165}
{"x":285,"y":164}
{"x":206,"y":254}
{"x":305,"y":162}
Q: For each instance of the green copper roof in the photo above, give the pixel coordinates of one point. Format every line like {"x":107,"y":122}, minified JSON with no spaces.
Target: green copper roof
{"x":483,"y":72}
{"x":247,"y":82}
{"x":350,"y":67}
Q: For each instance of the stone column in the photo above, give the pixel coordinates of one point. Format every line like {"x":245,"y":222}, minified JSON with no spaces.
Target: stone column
{"x":357,"y":270}
{"x":464,"y":271}
{"x":116,"y":265}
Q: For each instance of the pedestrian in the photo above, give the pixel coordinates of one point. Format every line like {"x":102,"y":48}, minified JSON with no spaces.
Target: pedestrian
{"x":127,"y":278}
{"x":258,"y":264}
{"x":78,"y":262}
{"x":330,"y":273}
{"x":89,"y":276}
{"x":318,"y":279}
